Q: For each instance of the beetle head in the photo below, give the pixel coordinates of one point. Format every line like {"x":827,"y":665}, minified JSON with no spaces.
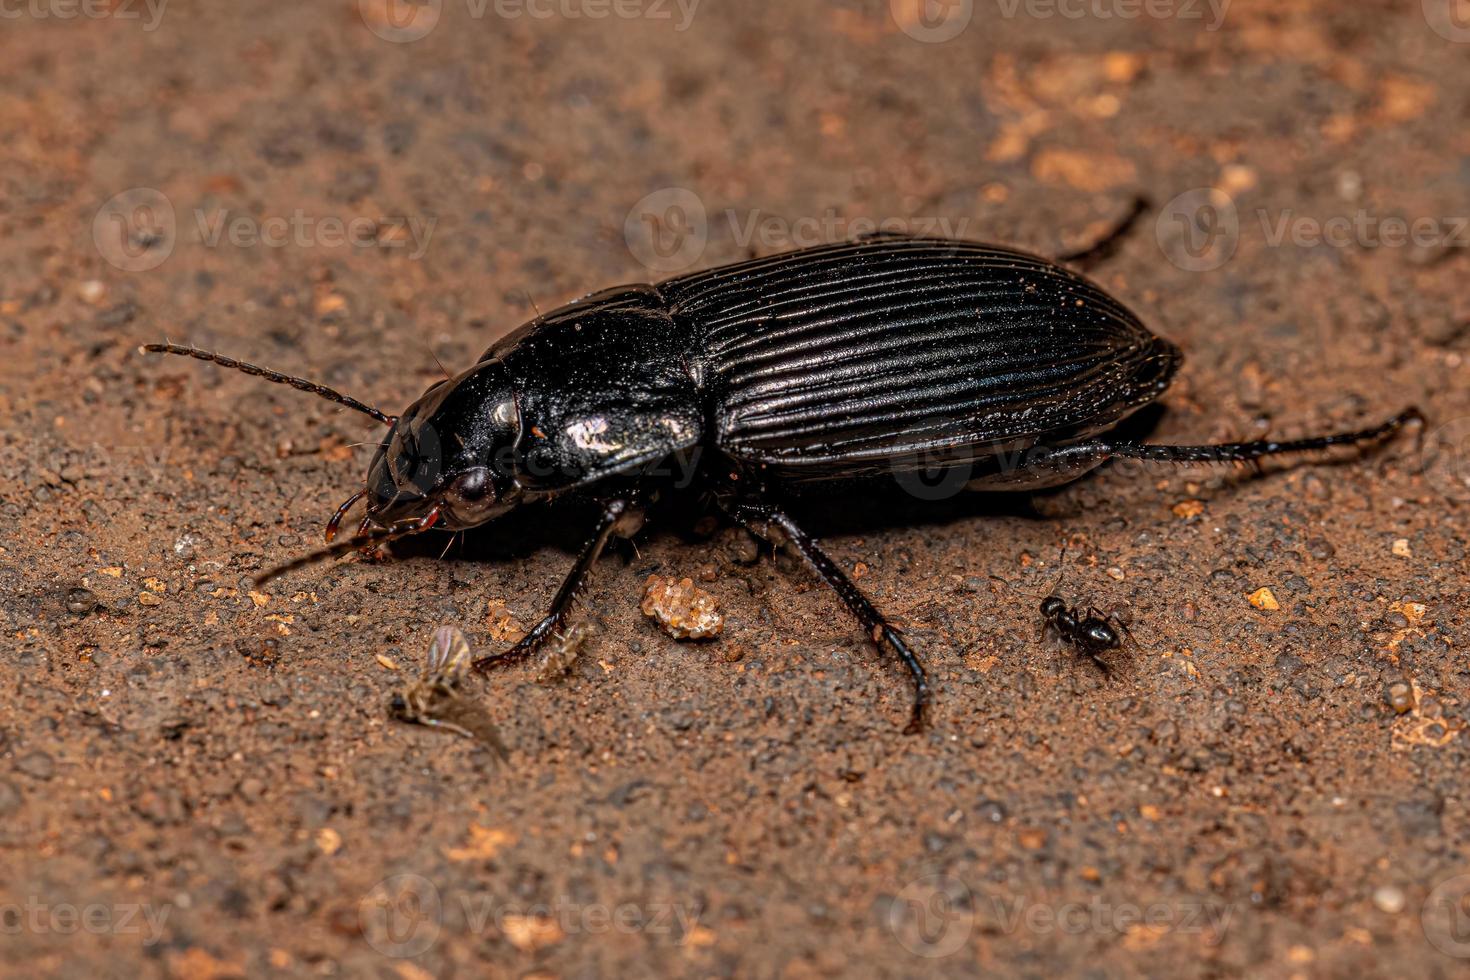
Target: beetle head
{"x":449,"y":453}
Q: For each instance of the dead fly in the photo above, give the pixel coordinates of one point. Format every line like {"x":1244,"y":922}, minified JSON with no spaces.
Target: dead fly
{"x":435,"y":699}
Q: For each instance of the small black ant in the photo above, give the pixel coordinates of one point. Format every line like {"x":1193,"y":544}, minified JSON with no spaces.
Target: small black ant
{"x":1090,"y":632}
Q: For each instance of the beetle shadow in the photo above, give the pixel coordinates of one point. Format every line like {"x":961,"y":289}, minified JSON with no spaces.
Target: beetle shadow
{"x":887,"y":504}
{"x":562,"y":525}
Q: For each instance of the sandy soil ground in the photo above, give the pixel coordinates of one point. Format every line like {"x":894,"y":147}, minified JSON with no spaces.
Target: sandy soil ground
{"x":199,"y":778}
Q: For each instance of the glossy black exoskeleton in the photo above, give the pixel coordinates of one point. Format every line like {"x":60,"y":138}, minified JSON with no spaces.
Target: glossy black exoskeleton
{"x":804,"y":371}
{"x":1091,"y":632}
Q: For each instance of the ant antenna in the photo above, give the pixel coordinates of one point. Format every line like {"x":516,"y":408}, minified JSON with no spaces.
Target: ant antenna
{"x":1062,"y":569}
{"x":300,"y":384}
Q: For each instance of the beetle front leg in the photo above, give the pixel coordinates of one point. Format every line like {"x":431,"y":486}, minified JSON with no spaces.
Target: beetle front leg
{"x":619,"y":517}
{"x":878,"y":628}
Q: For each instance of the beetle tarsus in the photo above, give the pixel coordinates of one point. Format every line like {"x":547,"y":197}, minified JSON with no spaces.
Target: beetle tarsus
{"x":874,"y":623}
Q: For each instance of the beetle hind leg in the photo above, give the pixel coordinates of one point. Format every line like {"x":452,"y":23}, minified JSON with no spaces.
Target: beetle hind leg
{"x":879,"y":630}
{"x":1083,"y":454}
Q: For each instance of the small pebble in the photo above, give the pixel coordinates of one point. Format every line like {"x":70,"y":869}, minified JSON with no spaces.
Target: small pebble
{"x":743,"y":547}
{"x":1264,"y":598}
{"x":1401,"y":548}
{"x":80,"y":601}
{"x":37,"y":764}
{"x":1389,"y":899}
{"x":10,"y":797}
{"x":1399,"y":696}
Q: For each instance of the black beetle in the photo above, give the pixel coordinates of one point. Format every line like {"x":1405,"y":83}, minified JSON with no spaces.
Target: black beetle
{"x":807,"y":370}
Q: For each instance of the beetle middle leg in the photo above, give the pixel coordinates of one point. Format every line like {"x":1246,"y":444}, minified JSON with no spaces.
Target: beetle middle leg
{"x":619,"y":517}
{"x":877,"y":626}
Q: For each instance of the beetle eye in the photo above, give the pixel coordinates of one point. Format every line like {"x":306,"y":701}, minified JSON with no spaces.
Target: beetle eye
{"x":472,"y":485}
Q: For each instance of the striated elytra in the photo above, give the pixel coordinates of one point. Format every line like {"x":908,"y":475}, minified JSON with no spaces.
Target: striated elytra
{"x":773,"y":380}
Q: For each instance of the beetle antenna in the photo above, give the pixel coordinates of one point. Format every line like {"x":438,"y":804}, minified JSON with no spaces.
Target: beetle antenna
{"x":300,"y":384}
{"x":402,"y":529}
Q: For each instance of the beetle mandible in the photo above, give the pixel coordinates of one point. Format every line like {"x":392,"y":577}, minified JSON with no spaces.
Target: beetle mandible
{"x":804,"y":371}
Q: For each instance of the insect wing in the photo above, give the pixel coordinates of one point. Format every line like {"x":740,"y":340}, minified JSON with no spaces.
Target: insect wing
{"x":449,"y":655}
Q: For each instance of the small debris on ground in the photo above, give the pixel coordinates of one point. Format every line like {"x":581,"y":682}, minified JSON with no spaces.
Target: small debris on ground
{"x":1264,"y":598}
{"x":681,"y":608}
{"x":562,"y":651}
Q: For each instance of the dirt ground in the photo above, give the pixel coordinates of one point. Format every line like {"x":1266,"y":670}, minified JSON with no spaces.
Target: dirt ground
{"x":199,"y":778}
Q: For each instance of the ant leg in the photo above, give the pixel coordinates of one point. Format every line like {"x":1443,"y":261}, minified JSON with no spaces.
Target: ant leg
{"x":615,"y":514}
{"x":876,"y":625}
{"x":1084,"y":455}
